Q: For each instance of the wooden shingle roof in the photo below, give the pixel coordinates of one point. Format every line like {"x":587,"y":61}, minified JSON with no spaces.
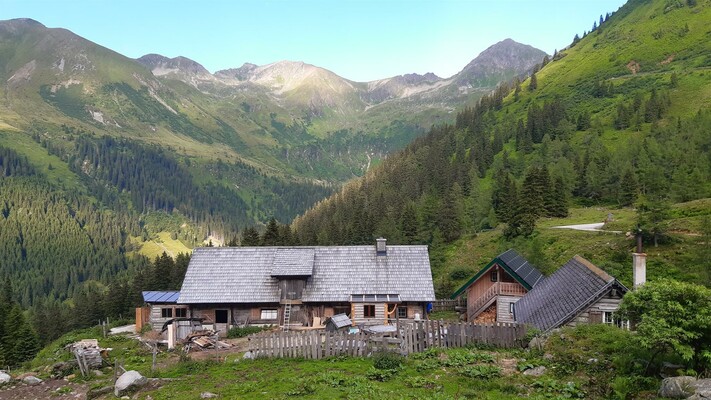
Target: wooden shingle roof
{"x":248,"y":274}
{"x":563,"y":295}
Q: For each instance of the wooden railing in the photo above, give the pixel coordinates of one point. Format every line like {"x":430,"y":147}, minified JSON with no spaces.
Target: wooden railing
{"x":498,"y":288}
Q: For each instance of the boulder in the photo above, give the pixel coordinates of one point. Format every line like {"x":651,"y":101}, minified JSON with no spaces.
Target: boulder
{"x":537,"y":371}
{"x":31,"y":380}
{"x":678,"y":387}
{"x":129,"y":381}
{"x":537,"y":343}
{"x":702,"y":388}
{"x":4,"y":378}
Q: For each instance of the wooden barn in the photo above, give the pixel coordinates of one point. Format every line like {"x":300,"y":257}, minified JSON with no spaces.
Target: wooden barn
{"x":492,"y":292}
{"x":293,"y":286}
{"x":579,"y":292}
{"x":160,"y":306}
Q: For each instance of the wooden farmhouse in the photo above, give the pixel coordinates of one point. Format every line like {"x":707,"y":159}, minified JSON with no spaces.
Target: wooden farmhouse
{"x":510,"y":289}
{"x":294,"y":286}
{"x":577,"y":293}
{"x":492,"y":292}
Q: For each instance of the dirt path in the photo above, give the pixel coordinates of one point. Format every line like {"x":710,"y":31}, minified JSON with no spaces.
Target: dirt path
{"x":50,"y":389}
{"x":238,"y":346}
{"x":595,"y":227}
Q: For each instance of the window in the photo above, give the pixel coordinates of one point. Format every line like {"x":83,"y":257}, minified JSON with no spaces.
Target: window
{"x":494,"y":276}
{"x":220,"y":316}
{"x":368,"y":311}
{"x":268,"y":314}
{"x":402,"y":312}
{"x":607,"y":317}
{"x":511,"y":308}
{"x":166,"y":313}
{"x":181,"y":312}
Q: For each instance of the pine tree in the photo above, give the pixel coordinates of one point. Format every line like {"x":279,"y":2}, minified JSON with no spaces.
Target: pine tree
{"x":629,"y":188}
{"x":533,"y":85}
{"x":559,"y":207}
{"x":409,"y":224}
{"x":271,"y":234}
{"x":250,"y":237}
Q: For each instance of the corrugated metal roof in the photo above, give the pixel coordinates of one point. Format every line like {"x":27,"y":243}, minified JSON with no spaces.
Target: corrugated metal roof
{"x":561,"y":296}
{"x":160,"y":297}
{"x":293,"y":262}
{"x":244,"y":274}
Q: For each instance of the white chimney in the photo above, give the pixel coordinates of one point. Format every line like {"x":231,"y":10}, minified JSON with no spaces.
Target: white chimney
{"x":381,"y":249}
{"x":639,"y":269}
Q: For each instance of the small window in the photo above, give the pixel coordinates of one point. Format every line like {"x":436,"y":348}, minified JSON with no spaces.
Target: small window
{"x":268,"y":314}
{"x":511,"y":308}
{"x":220,"y":316}
{"x":607,"y":317}
{"x":402,"y":312}
{"x":494,"y":276}
{"x":181,"y":312}
{"x":369,"y":311}
{"x":166,"y":312}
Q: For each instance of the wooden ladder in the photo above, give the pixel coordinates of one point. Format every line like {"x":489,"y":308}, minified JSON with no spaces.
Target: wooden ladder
{"x":287,"y":316}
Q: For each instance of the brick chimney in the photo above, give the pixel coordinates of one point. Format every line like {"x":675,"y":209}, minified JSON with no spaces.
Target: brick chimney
{"x":639,"y":263}
{"x":381,"y":248}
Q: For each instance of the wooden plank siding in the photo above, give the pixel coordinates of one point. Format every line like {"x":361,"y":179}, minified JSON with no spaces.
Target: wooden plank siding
{"x":594,"y":314}
{"x":506,"y":287}
{"x":156,"y":314}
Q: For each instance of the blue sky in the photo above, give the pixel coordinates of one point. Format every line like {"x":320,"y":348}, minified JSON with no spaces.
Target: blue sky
{"x":359,"y":40}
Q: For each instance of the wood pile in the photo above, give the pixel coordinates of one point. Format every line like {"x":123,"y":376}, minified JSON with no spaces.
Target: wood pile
{"x":204,"y":339}
{"x":88,"y":354}
{"x":487,"y":316}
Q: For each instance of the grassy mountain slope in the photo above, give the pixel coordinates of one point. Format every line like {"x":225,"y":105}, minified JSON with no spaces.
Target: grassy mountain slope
{"x":620,"y":118}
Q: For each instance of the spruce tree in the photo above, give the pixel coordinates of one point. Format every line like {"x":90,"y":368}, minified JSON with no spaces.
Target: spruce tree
{"x":409,"y":224}
{"x":533,"y":85}
{"x":250,"y":237}
{"x":271,"y":234}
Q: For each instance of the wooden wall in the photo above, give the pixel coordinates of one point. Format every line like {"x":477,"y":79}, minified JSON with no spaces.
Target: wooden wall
{"x":156,"y":319}
{"x":593,"y":314}
{"x":503,"y":309}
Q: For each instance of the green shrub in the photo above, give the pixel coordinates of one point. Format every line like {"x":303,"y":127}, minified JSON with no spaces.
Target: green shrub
{"x":480,"y":371}
{"x":422,"y":382}
{"x":387,"y":360}
{"x":381,"y":375}
{"x":238,"y":332}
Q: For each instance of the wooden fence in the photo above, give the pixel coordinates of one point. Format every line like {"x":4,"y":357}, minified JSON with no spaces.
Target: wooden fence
{"x":448,"y":304}
{"x":410,"y":338}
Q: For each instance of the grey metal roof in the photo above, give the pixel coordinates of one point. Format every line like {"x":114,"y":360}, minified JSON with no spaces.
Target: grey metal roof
{"x":244,"y":274}
{"x":160,"y":297}
{"x":563,"y":295}
{"x":293,"y":262}
{"x":524,"y":269}
{"x":340,"y":321}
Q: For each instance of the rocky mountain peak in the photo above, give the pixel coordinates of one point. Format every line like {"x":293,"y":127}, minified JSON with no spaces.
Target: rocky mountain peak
{"x":181,"y":66}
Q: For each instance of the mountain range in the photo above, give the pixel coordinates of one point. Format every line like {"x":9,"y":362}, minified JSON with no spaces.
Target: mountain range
{"x":288,"y":118}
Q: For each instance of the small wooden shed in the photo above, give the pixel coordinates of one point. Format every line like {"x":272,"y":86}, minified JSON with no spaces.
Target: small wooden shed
{"x":338,"y":322}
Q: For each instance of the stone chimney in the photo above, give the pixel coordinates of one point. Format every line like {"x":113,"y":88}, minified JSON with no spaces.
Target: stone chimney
{"x":639,"y":263}
{"x":381,"y":248}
